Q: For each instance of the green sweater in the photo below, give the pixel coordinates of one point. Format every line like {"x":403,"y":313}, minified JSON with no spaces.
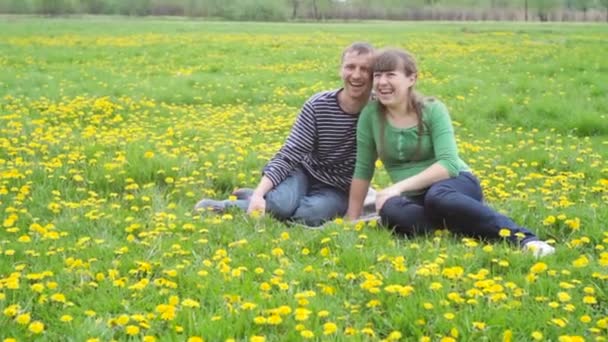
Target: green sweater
{"x":438,"y":144}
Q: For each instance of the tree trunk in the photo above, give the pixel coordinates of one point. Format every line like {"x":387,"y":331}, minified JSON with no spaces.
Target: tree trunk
{"x":526,"y":9}
{"x":294,"y":13}
{"x":314,"y":10}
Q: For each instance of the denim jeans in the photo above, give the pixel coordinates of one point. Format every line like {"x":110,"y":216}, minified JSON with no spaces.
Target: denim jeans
{"x":457,"y":204}
{"x":303,"y":199}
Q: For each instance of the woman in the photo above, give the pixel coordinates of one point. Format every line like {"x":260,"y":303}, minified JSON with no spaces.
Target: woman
{"x":432,"y":186}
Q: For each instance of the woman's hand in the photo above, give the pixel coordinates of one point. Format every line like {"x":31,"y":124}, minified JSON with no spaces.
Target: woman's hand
{"x":383,"y":195}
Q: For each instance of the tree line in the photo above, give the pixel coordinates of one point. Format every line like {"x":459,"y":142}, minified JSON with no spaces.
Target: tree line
{"x":284,"y":10}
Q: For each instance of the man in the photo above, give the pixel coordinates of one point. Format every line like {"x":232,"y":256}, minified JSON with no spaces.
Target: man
{"x":308,"y":180}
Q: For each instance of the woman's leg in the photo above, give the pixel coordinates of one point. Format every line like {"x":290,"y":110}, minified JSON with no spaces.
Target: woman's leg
{"x":459,"y":201}
{"x":406,"y":216}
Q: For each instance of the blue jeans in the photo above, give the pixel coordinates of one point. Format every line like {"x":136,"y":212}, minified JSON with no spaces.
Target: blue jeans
{"x":457,"y":204}
{"x":303,"y":199}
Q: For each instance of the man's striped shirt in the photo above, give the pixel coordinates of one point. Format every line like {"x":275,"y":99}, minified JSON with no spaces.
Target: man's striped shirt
{"x":323,"y":141}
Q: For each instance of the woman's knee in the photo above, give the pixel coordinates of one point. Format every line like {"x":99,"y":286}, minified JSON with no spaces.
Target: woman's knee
{"x":400,"y":214}
{"x":435,"y":197}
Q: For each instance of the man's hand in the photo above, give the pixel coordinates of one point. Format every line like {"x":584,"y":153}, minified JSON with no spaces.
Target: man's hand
{"x":257,"y":205}
{"x":383,"y":195}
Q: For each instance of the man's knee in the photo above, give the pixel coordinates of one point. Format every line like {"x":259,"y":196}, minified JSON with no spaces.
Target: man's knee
{"x":315,"y":213}
{"x":281,"y":204}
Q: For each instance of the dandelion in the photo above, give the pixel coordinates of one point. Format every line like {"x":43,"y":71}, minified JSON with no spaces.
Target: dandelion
{"x":66,"y":318}
{"x":580,"y":262}
{"x":36,"y":327}
{"x":23,"y":319}
{"x":132,"y":330}
{"x":195,"y":339}
{"x":394,"y":336}
{"x":479,"y":325}
{"x":538,"y":267}
{"x":307,"y":334}
{"x":537,"y":335}
{"x":507,"y":336}
{"x":504,"y":233}
{"x":329,"y":328}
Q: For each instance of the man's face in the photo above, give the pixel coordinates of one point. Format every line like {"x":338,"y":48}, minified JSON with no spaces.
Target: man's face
{"x":356,"y":74}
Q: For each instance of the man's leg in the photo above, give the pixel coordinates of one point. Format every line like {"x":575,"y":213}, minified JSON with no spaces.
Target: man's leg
{"x":321,"y":204}
{"x":281,"y":201}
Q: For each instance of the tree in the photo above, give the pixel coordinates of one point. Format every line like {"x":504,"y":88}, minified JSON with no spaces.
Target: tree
{"x":605,"y":4}
{"x":294,"y":6}
{"x":543,"y":7}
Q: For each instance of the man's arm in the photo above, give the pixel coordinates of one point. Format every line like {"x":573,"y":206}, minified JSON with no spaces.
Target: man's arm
{"x":301,"y":141}
{"x":257,"y":201}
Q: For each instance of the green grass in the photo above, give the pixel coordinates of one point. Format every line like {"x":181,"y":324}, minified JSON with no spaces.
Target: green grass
{"x":112,"y":129}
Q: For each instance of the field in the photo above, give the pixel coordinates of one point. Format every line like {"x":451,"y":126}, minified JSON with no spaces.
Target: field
{"x":112,"y":129}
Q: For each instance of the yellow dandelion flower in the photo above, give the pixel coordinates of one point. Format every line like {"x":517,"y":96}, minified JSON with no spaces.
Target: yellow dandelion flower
{"x":507,"y":336}
{"x":23,"y":319}
{"x":504,"y":233}
{"x":274,"y":320}
{"x":190,"y":303}
{"x":329,"y":328}
{"x":537,"y":335}
{"x":36,"y":327}
{"x":307,"y":334}
{"x":479,"y":325}
{"x":132,"y":330}
{"x":564,"y":296}
{"x":259,"y":320}
{"x":581,"y":261}
{"x":589,"y":300}
{"x":58,"y":297}
{"x":195,"y":339}
{"x":549,"y":220}
{"x":539,"y":267}
{"x":12,"y":310}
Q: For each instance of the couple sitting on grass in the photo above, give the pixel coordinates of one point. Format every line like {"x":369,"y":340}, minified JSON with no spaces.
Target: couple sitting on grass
{"x":324,"y":168}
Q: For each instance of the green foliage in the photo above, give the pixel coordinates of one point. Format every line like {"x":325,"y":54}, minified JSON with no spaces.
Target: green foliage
{"x":280,"y":10}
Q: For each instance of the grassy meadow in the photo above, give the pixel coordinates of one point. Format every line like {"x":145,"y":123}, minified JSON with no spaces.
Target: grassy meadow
{"x":112,"y":129}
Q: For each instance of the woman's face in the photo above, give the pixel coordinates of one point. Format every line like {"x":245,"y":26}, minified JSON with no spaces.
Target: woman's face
{"x":392,"y":87}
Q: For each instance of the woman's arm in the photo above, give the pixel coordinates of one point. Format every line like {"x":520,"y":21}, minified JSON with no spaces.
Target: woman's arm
{"x":446,"y":154}
{"x":365,"y":164}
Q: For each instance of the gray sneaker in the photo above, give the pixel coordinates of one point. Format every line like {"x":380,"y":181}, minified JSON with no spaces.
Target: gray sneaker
{"x":210,"y":205}
{"x":243,"y":193}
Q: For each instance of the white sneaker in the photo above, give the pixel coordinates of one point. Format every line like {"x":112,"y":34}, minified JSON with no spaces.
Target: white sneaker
{"x":539,"y":248}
